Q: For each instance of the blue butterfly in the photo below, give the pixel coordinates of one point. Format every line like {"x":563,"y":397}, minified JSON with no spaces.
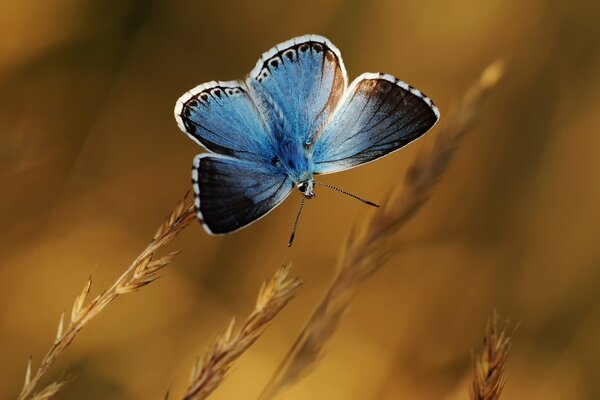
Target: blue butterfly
{"x":292,"y":118}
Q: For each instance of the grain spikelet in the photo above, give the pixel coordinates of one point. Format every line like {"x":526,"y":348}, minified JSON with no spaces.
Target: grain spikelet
{"x":28,"y":372}
{"x":142,"y":271}
{"x":61,"y":324}
{"x":210,"y":370}
{"x":77,"y":309}
{"x":366,"y":250}
{"x":489,"y":365}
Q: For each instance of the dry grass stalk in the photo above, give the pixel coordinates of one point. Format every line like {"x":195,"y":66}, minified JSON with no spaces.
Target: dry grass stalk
{"x":142,"y":271}
{"x":211,"y":369}
{"x":49,"y":391}
{"x":488,"y":367}
{"x":365,"y":252}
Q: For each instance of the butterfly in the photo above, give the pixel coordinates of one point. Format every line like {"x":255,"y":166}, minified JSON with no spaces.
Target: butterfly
{"x":293,"y":117}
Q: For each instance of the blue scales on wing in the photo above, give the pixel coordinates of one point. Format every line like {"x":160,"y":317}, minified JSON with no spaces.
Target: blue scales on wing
{"x":232,"y":193}
{"x":378,"y":115}
{"x":222,"y":117}
{"x":297,"y":85}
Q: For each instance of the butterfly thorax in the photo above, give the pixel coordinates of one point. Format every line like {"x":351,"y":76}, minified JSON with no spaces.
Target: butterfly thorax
{"x":294,"y":160}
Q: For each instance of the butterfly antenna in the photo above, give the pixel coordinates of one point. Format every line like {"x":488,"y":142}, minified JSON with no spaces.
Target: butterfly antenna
{"x":296,"y":222}
{"x":348,"y":194}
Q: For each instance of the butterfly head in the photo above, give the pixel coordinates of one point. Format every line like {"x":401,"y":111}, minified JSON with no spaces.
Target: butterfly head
{"x":307,"y":188}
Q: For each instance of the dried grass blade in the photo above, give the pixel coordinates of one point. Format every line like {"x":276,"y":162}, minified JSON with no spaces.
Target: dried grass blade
{"x":139,"y":273}
{"x":211,"y":369}
{"x":488,"y":367}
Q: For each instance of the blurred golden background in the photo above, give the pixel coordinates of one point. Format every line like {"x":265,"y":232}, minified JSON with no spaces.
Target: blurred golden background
{"x":91,"y":161}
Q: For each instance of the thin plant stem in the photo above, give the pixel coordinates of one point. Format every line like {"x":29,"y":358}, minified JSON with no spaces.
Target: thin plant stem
{"x":141,"y":272}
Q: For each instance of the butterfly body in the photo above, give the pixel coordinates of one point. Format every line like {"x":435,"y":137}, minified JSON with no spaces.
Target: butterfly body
{"x":294,"y":159}
{"x":292,"y":118}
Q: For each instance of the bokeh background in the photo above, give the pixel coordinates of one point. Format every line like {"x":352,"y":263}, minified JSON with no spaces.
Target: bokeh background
{"x":91,"y":160}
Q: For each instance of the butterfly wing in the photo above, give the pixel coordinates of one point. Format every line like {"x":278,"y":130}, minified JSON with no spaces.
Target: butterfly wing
{"x":378,"y":115}
{"x":223,"y":118}
{"x":232,"y":193}
{"x":298,"y":84}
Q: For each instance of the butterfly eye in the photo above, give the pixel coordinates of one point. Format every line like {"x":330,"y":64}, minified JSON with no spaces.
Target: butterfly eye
{"x":303,"y":186}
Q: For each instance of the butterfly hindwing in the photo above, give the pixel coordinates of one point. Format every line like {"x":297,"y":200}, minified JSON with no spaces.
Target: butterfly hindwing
{"x":222,"y":117}
{"x":378,"y":115}
{"x":299,"y":83}
{"x":232,"y":193}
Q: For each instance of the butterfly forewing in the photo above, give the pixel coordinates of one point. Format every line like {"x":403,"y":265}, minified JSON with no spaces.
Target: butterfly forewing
{"x":378,"y":115}
{"x":299,"y":83}
{"x":222,"y":117}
